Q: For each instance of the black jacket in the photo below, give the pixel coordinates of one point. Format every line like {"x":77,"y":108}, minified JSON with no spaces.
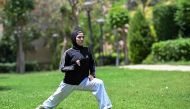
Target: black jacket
{"x":74,"y":74}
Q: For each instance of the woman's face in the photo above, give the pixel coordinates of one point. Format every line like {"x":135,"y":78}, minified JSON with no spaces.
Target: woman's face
{"x":80,"y":39}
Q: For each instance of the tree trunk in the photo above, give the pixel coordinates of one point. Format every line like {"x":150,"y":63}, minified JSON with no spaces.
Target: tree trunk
{"x":20,"y":65}
{"x":125,"y":48}
{"x":74,"y":13}
{"x":73,"y":4}
{"x":91,"y":32}
{"x":117,"y":61}
{"x":64,"y":44}
{"x":118,"y":54}
{"x":101,"y":54}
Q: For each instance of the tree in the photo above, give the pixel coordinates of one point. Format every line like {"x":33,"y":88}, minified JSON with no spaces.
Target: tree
{"x":139,"y":38}
{"x":46,"y":22}
{"x":118,"y":19}
{"x":16,"y":12}
{"x":163,"y":21}
{"x":66,"y":15}
{"x":73,"y":4}
{"x":132,"y":4}
{"x":69,"y":19}
{"x":182,"y":17}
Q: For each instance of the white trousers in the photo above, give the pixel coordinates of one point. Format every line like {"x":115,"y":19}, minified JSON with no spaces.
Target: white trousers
{"x":95,"y":85}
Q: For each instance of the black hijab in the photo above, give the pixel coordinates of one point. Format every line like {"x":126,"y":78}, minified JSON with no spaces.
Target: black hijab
{"x":73,"y":38}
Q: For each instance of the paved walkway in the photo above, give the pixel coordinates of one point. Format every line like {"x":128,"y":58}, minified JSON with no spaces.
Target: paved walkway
{"x":184,"y":68}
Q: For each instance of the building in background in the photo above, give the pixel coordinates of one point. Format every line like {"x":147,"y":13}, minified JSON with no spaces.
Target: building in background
{"x":40,"y":53}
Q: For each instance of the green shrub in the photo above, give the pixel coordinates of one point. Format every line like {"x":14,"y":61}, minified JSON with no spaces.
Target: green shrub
{"x":11,"y":67}
{"x":8,"y":50}
{"x":32,"y":66}
{"x":183,"y":17}
{"x":172,"y":50}
{"x":109,"y":59}
{"x":7,"y":67}
{"x":149,"y":59}
{"x":164,"y":23}
{"x":139,"y":38}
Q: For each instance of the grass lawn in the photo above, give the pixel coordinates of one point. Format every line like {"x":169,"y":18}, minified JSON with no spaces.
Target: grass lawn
{"x":128,"y":89}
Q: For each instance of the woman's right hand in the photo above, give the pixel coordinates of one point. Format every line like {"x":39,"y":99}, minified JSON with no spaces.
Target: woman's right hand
{"x":78,"y":62}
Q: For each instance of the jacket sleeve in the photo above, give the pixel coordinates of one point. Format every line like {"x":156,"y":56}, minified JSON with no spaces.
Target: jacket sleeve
{"x":64,"y":63}
{"x":92,"y":64}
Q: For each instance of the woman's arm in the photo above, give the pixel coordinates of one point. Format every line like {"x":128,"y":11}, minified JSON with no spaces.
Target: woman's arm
{"x":64,"y":64}
{"x":92,"y":64}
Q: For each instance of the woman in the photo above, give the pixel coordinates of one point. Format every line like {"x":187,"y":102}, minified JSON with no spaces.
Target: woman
{"x":79,"y":67}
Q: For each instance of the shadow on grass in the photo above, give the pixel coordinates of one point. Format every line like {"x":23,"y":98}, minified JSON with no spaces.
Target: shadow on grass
{"x":5,"y":88}
{"x":4,"y":77}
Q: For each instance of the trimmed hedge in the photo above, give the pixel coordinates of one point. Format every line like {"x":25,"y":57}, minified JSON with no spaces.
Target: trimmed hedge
{"x":172,"y":50}
{"x":32,"y":66}
{"x":11,"y":67}
{"x":109,"y":59}
{"x":7,"y":67}
{"x":8,"y":50}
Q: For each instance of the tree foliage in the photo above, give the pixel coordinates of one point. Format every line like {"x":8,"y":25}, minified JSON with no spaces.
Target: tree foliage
{"x":118,"y":17}
{"x":164,"y":23}
{"x":17,"y":10}
{"x":139,"y":38}
{"x":16,"y":15}
{"x":183,"y":18}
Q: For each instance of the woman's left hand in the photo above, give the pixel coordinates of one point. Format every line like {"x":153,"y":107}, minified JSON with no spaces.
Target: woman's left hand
{"x":90,"y":77}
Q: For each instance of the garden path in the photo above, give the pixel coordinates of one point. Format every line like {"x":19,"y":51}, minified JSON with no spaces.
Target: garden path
{"x":184,"y":68}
